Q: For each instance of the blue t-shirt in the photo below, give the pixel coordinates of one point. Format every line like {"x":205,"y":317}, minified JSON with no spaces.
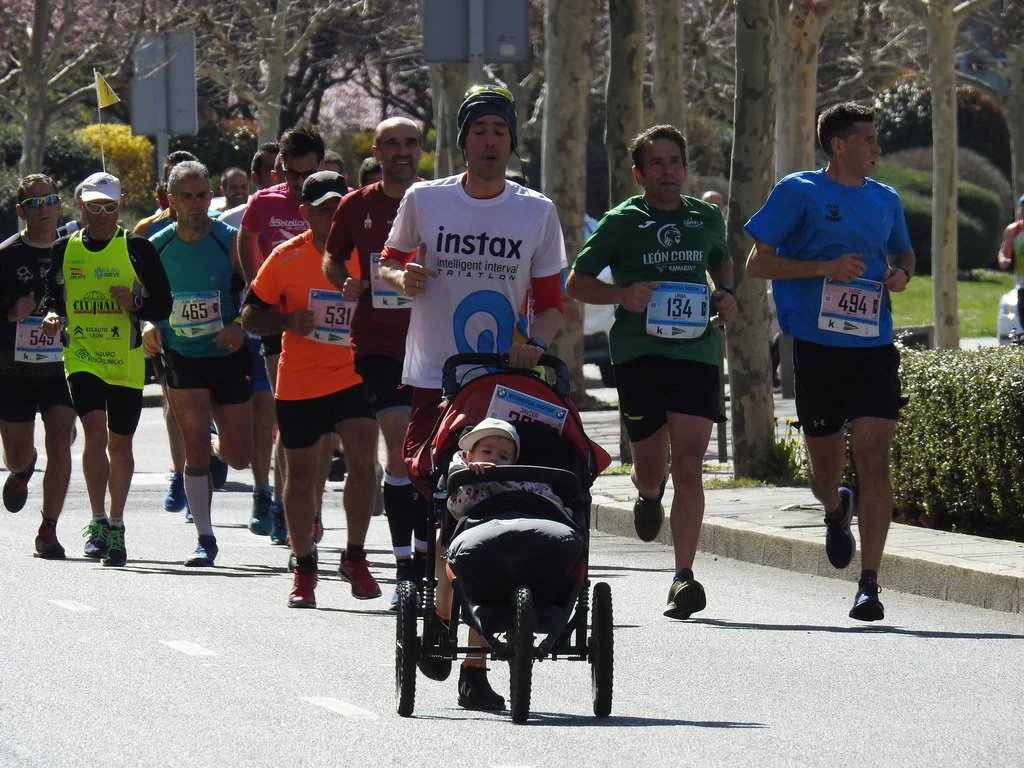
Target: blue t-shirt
{"x":203,"y":286}
{"x":810,"y":217}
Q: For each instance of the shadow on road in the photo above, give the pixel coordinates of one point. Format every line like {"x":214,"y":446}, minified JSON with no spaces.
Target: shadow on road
{"x":175,"y":568}
{"x":867,"y":629}
{"x":557,"y":719}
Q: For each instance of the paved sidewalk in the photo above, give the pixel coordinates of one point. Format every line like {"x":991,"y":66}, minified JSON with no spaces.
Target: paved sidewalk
{"x":782,"y":528}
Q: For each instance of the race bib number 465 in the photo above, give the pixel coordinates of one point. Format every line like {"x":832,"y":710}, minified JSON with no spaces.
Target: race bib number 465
{"x":332,"y":317}
{"x":196,"y":313}
{"x":852,"y":308}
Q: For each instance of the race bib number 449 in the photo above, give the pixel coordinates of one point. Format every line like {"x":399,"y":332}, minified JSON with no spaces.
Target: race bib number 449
{"x":332,"y":317}
{"x":852,"y":308}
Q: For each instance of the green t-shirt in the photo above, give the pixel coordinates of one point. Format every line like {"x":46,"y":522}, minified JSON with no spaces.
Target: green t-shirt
{"x":641,"y":243}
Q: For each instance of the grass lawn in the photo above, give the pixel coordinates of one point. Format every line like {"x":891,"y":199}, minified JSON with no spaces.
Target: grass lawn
{"x":978,"y":295}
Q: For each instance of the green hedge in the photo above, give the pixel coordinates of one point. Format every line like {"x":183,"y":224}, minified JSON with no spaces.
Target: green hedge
{"x":956,"y":463}
{"x":979,"y":217}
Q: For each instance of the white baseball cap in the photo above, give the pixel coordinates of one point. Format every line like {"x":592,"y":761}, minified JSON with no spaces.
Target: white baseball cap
{"x":488,"y":428}
{"x":101,"y":186}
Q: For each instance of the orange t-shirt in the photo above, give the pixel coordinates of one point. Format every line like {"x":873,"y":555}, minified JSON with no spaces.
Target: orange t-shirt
{"x":307,"y":368}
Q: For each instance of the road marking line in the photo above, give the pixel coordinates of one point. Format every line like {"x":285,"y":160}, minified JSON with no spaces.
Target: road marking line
{"x":186,"y":647}
{"x":73,"y":605}
{"x":351,"y":711}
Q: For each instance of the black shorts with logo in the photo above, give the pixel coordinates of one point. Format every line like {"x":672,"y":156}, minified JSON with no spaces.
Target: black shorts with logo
{"x":652,"y":386}
{"x":123,"y":405}
{"x":228,"y":378}
{"x":838,"y":384}
{"x":382,"y":376}
{"x":23,"y":396}
{"x":302,"y":422}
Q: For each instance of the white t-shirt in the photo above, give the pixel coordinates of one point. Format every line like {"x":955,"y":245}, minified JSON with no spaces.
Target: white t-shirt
{"x":233,"y":216}
{"x":485,"y":253}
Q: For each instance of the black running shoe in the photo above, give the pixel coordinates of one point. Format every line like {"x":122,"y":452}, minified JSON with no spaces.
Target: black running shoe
{"x":685,"y":597}
{"x":16,"y":487}
{"x":204,"y":554}
{"x":649,"y":515}
{"x":867,"y":606}
{"x":475,"y":690}
{"x":117,"y":553}
{"x":839,"y":542}
{"x":47,"y":546}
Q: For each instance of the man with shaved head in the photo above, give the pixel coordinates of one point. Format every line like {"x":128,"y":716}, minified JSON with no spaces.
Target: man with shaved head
{"x":380,"y":323}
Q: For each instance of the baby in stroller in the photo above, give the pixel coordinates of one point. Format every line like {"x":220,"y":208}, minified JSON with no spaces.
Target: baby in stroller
{"x":492,"y":443}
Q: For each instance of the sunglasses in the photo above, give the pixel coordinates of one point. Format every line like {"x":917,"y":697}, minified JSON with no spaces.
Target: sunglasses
{"x":477,"y":90}
{"x":39,"y":202}
{"x":102,"y":207}
{"x":297,"y":175}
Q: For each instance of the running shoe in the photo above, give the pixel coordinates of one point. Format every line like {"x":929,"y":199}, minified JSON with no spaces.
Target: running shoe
{"x":47,"y":546}
{"x":188,"y":515}
{"x":303,"y":589}
{"x":685,"y":597}
{"x":16,"y":487}
{"x":649,"y":515}
{"x":117,"y":553}
{"x":205,"y":553}
{"x":218,"y":472}
{"x":839,"y":542}
{"x":867,"y":606}
{"x":475,"y":690}
{"x":357,"y":573}
{"x":96,"y":533}
{"x":260,"y":521}
{"x":279,"y":524}
{"x":339,"y":468}
{"x":174,"y":496}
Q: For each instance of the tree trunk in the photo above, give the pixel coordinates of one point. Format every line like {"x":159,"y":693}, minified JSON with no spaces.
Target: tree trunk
{"x":801,"y":25}
{"x":275,"y":69}
{"x":667,"y":64}
{"x":448,"y":83}
{"x":568,"y":61}
{"x":624,"y":97}
{"x":624,"y":93}
{"x":34,"y":78}
{"x":751,"y":176}
{"x":1014,"y":109}
{"x":941,"y":41}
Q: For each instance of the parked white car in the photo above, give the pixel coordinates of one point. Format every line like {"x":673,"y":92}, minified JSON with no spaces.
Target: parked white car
{"x":1008,"y":325}
{"x":597,"y":322}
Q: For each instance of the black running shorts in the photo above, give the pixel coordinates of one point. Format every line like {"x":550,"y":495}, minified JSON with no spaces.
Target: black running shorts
{"x":382,"y":376}
{"x":271,"y":344}
{"x":839,"y":384}
{"x":228,"y":378}
{"x":652,"y":386}
{"x":302,"y":422}
{"x":123,"y":405}
{"x":24,"y":395}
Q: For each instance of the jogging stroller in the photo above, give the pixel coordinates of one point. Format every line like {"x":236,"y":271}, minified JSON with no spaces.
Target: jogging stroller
{"x":518,"y":567}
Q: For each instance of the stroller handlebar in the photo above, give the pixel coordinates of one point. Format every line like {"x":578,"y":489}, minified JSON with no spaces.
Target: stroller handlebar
{"x":450,"y":385}
{"x":513,"y":472}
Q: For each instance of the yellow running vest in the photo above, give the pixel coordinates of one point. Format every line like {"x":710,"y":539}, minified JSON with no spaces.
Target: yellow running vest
{"x":99,"y":331}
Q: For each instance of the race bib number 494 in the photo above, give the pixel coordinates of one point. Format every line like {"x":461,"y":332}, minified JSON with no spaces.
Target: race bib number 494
{"x":852,"y":308}
{"x":332,"y":317}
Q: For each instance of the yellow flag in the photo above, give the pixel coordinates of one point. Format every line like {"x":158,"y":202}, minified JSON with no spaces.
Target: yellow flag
{"x":104,"y":93}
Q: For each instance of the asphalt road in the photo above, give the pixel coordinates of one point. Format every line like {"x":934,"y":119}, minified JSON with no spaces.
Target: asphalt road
{"x":159,"y":665}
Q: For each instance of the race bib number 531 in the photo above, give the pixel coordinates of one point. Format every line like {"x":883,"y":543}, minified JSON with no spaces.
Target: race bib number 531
{"x":332,"y":317}
{"x":852,"y":308}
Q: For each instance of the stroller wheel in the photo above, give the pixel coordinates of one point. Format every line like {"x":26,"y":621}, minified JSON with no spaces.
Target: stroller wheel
{"x":406,"y":649}
{"x":601,"y":649}
{"x":521,"y":662}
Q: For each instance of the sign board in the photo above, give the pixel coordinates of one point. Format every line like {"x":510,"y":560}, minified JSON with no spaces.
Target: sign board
{"x":163,"y":90}
{"x":448,"y":25}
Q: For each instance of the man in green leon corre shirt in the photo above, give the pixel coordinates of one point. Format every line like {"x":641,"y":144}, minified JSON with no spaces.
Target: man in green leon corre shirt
{"x":660,"y":245}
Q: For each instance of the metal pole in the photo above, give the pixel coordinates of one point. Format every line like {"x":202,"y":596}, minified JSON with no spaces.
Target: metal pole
{"x":476,"y":41}
{"x":162,"y":150}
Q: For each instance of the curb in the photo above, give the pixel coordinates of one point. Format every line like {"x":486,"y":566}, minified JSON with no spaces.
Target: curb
{"x":938,"y":577}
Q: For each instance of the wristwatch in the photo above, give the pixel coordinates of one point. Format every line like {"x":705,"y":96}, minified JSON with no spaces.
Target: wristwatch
{"x":137,"y":302}
{"x":724,"y":289}
{"x":536,"y":341}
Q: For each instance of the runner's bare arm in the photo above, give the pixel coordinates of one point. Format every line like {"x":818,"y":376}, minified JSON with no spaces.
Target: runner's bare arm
{"x":398,"y":270}
{"x":588,"y":289}
{"x":901,"y":268}
{"x":765,"y":263}
{"x":335,"y":270}
{"x":723,"y":301}
{"x":1005,"y":256}
{"x":248,"y":253}
{"x":258,"y":318}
